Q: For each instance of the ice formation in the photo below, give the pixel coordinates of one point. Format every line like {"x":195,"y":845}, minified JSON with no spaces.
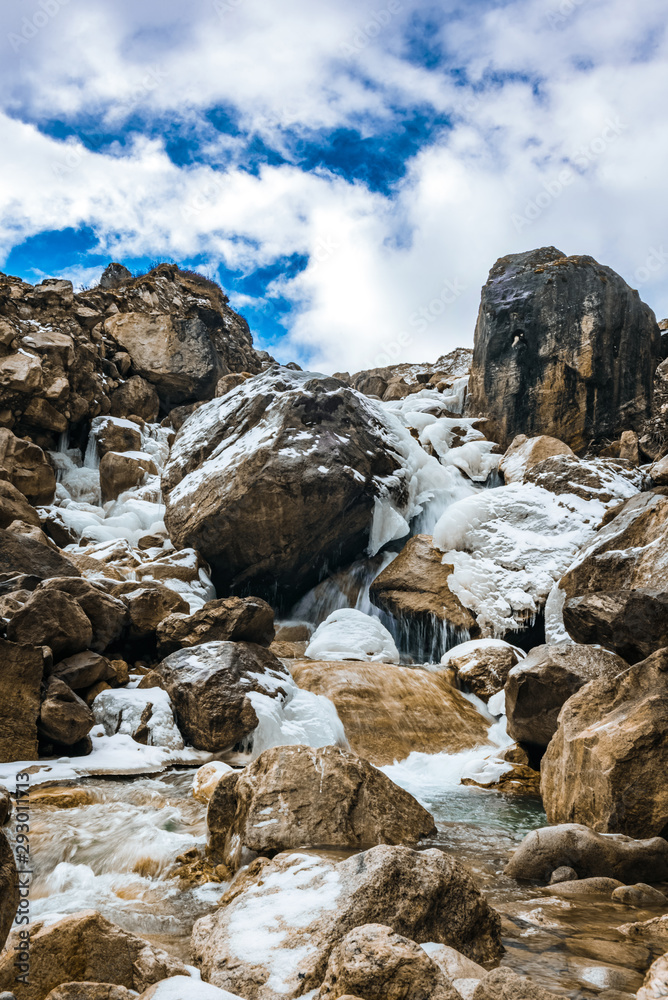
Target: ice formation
{"x":349,"y":634}
{"x":120,"y":710}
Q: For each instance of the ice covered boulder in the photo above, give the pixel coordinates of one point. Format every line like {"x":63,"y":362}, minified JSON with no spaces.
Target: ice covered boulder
{"x":289,"y":476}
{"x":145,"y":715}
{"x":301,"y":797}
{"x":482,"y":664}
{"x":115,"y":434}
{"x":538,"y":686}
{"x":509,"y":546}
{"x":348,"y":634}
{"x":283,"y":918}
{"x":606,"y":763}
{"x":207,"y":777}
{"x":563,"y":346}
{"x":656,"y":981}
{"x":525,"y":452}
{"x":375,"y":961}
{"x":390,"y":711}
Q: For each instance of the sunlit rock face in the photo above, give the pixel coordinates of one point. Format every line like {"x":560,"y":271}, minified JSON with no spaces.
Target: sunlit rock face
{"x":563,"y":346}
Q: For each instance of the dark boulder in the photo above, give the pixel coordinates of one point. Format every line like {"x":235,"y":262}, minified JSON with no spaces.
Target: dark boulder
{"x":632,"y":623}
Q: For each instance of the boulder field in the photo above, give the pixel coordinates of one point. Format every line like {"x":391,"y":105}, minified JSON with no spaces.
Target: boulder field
{"x":408,"y":627}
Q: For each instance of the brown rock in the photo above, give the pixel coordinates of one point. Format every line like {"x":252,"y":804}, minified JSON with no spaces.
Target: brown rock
{"x":238,"y":619}
{"x":90,"y":991}
{"x":21,"y":672}
{"x":538,"y":686}
{"x":108,"y":615}
{"x":585,"y":887}
{"x":382,"y":965}
{"x":572,"y":356}
{"x":632,"y":623}
{"x":389,"y":711}
{"x":656,"y":981}
{"x":40,"y":413}
{"x":52,"y":618}
{"x":85,"y":947}
{"x":482,"y":665}
{"x":148,"y":604}
{"x":589,"y":854}
{"x":659,"y":472}
{"x":601,"y":479}
{"x":22,"y":556}
{"x":209,"y":687}
{"x":25,"y":466}
{"x":83,"y":670}
{"x":135,"y":396}
{"x":415,"y":587}
{"x":612,"y":735}
{"x":313,"y":903}
{"x":231,"y":381}
{"x":504,"y":984}
{"x":525,"y":452}
{"x":112,"y":434}
{"x":295,"y":796}
{"x":640,"y":895}
{"x":64,"y":718}
{"x":628,"y":450}
{"x":9,"y":888}
{"x":121,"y":472}
{"x":15,"y":507}
{"x":5,"y":807}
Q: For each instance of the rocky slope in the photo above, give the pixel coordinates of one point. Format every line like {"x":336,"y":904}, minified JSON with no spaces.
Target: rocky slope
{"x":379,"y":612}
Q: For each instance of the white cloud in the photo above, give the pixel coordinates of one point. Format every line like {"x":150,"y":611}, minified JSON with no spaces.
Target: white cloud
{"x":388,"y":275}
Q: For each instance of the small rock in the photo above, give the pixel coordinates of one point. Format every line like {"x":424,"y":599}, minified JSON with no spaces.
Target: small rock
{"x":83,"y":670}
{"x":64,"y":718}
{"x":639,"y":895}
{"x":563,"y":874}
{"x":504,"y":984}
{"x":586,"y":887}
{"x":207,"y":777}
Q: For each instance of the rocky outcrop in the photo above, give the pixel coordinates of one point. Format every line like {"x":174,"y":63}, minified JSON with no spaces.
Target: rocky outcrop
{"x":541,"y":683}
{"x":612,"y":735}
{"x":632,"y":623}
{"x":21,"y":672}
{"x":237,"y":619}
{"x":390,"y":711}
{"x":375,"y":961}
{"x":278,"y":481}
{"x":414,"y":588}
{"x":52,"y":618}
{"x":85,"y":947}
{"x":295,"y":796}
{"x":9,"y":888}
{"x":589,"y":855}
{"x":525,"y":452}
{"x":210,"y":686}
{"x":421,"y":895}
{"x":482,"y":665}
{"x":23,"y":556}
{"x":564,"y":347}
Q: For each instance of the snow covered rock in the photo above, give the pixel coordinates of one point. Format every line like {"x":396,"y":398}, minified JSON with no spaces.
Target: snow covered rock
{"x":290,"y":475}
{"x":563,"y":346}
{"x":374,"y":961}
{"x":146,"y":715}
{"x":655,"y":985}
{"x":525,"y":452}
{"x":509,"y":546}
{"x":603,"y":479}
{"x":211,"y":685}
{"x":482,"y":664}
{"x":186,"y":988}
{"x":115,"y":434}
{"x":301,"y":797}
{"x":589,"y":854}
{"x":606,"y":763}
{"x":207,"y":777}
{"x":390,"y":711}
{"x":283,"y":918}
{"x":349,"y":634}
{"x":538,"y":686}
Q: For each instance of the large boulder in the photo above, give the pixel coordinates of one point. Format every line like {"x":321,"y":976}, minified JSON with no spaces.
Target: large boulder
{"x":525,"y":452}
{"x":300,"y":907}
{"x":86,"y":947}
{"x":210,"y":686}
{"x":375,"y":961}
{"x":349,"y":634}
{"x":563,"y":346}
{"x":389,"y":711}
{"x":137,"y":397}
{"x":604,"y":767}
{"x":148,"y":603}
{"x":83,"y":670}
{"x":121,"y":471}
{"x":64,"y":718}
{"x":15,"y":507}
{"x":482,"y":665}
{"x":538,"y":686}
{"x":589,"y":854}
{"x":632,"y":623}
{"x":9,"y":888}
{"x":52,"y":618}
{"x":237,"y":619}
{"x":287,"y":477}
{"x":21,"y":555}
{"x":26,"y":467}
{"x":108,"y":615}
{"x":295,"y":796}
{"x":21,"y":673}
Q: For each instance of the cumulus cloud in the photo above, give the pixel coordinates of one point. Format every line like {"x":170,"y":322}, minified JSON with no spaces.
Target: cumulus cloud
{"x":551,"y":129}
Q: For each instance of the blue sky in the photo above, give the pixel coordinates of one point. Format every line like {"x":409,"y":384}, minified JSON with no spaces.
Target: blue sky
{"x":349,"y":172}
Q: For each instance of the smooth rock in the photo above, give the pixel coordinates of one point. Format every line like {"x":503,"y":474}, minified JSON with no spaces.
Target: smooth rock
{"x":209,"y":687}
{"x":563,"y":346}
{"x":52,"y":618}
{"x":589,"y":854}
{"x":83,"y":670}
{"x":301,"y":906}
{"x":15,"y":507}
{"x":563,"y":874}
{"x":612,"y":735}
{"x":389,"y":711}
{"x":585,"y":887}
{"x":295,"y":796}
{"x":21,"y":672}
{"x":121,"y":471}
{"x":640,"y":895}
{"x":237,"y":619}
{"x":539,"y":685}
